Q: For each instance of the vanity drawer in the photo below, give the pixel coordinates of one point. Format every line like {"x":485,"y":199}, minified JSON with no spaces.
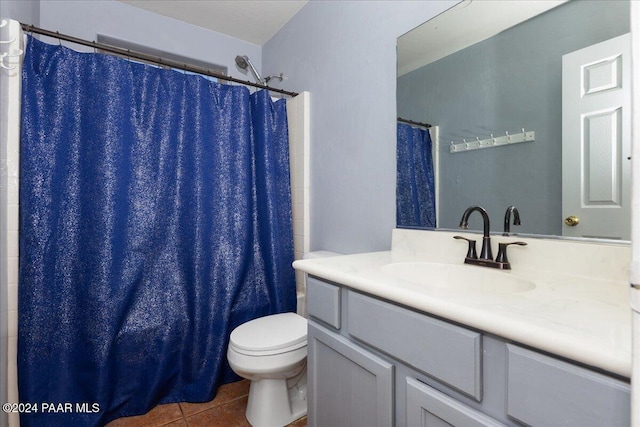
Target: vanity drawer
{"x":544,"y":391}
{"x":448,"y":353}
{"x":323,"y":301}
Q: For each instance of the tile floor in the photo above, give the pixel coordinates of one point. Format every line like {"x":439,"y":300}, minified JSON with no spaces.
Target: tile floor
{"x":226,"y":410}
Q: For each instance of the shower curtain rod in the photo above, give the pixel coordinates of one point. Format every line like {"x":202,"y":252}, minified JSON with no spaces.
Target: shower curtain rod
{"x":411,"y":122}
{"x":148,"y":58}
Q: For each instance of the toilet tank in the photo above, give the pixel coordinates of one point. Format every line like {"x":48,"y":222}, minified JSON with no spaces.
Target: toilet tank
{"x":302,"y":302}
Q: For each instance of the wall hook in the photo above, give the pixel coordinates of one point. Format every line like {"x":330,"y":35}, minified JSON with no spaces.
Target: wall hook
{"x":2,"y":64}
{"x":493,"y":141}
{"x":3,"y":23}
{"x":4,"y":55}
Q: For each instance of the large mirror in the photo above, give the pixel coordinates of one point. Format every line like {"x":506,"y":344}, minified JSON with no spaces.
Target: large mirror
{"x":529,"y":106}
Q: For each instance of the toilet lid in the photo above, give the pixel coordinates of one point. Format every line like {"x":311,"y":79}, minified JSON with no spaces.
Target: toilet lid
{"x":268,"y":333}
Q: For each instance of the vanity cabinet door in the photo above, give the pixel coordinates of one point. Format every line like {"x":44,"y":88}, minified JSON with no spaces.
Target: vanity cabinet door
{"x":427,"y":407}
{"x":348,"y":386}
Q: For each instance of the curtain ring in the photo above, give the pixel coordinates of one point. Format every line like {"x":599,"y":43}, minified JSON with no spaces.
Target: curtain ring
{"x":59,"y":40}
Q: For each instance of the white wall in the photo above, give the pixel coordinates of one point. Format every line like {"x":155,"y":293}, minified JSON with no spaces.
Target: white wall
{"x":344,"y":54}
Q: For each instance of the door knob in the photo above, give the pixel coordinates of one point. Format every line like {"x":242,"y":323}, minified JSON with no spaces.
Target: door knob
{"x":572,"y":221}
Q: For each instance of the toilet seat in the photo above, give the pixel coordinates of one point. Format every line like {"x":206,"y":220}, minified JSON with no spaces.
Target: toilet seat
{"x":269,"y":335}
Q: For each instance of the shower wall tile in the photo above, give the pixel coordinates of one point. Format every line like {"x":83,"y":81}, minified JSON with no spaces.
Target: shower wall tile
{"x":298,"y":228}
{"x":298,"y":118}
{"x":12,"y":192}
{"x":297,"y":195}
{"x":300,"y":276}
{"x":13,"y":163}
{"x":292,"y":114}
{"x":12,"y":246}
{"x":12,"y":218}
{"x":9,"y":205}
{"x":298,"y":180}
{"x":297,"y":165}
{"x":12,"y":271}
{"x":12,"y":378}
{"x":12,"y":320}
{"x":12,"y":294}
{"x":298,"y":210}
{"x":306,"y":200}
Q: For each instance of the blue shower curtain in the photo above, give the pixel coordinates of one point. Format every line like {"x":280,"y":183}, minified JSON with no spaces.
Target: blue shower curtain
{"x":415,"y":189}
{"x":155,"y":217}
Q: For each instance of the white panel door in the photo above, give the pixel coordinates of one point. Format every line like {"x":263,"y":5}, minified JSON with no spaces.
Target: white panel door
{"x":596,"y":140}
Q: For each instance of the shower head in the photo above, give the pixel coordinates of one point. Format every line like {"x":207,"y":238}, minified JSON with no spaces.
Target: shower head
{"x":243,"y":63}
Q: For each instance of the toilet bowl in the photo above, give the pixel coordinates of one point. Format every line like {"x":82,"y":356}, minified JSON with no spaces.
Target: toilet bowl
{"x":271,"y":352}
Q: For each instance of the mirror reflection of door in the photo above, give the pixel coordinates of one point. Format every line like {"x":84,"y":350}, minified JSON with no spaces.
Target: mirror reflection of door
{"x":596,"y":124}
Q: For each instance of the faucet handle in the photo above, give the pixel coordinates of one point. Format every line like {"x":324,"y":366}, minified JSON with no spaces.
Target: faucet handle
{"x":471,"y":251}
{"x":502,"y":251}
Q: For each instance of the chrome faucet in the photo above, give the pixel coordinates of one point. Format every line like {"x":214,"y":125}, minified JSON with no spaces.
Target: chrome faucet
{"x":507,"y":219}
{"x":486,"y":257}
{"x":485,"y":252}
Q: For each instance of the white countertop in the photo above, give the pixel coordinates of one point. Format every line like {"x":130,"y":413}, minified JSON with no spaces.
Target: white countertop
{"x":586,"y":318}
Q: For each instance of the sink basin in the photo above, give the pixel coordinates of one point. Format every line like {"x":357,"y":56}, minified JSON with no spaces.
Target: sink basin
{"x":458,"y":277}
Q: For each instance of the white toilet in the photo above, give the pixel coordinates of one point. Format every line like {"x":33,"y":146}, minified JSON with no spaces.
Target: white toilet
{"x":271,"y":351}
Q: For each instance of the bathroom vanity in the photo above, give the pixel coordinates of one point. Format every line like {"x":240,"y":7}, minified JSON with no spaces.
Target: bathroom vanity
{"x":413,"y":337}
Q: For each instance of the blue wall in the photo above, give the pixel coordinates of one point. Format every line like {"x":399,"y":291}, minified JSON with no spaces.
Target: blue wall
{"x":87,"y":18}
{"x":26,"y":11}
{"x":344,"y":53}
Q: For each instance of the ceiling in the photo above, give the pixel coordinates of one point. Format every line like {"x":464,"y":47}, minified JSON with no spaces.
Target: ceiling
{"x":254,"y":21}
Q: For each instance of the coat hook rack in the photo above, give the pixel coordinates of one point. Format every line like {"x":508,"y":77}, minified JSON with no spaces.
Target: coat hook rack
{"x":507,"y":139}
{"x":4,"y":55}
